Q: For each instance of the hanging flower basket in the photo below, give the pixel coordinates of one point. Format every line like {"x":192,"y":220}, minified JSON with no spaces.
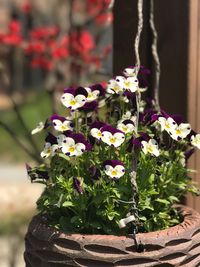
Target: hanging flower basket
{"x":115,"y":169}
{"x":175,"y":246}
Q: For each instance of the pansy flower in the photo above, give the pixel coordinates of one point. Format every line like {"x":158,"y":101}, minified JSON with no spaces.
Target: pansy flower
{"x":112,"y":136}
{"x":41,"y":126}
{"x":94,"y":92}
{"x":51,"y":146}
{"x":96,"y":129}
{"x":195,"y":140}
{"x":73,"y":144}
{"x":74,"y":98}
{"x":61,"y":124}
{"x":129,"y":72}
{"x":167,"y":124}
{"x":90,"y":106}
{"x":128,"y":116}
{"x":126,"y":126}
{"x":150,"y":147}
{"x":136,"y":142}
{"x":181,"y":131}
{"x":114,"y":168}
{"x":77,"y":184}
{"x":38,"y":128}
{"x":114,"y":86}
{"x":130,"y":83}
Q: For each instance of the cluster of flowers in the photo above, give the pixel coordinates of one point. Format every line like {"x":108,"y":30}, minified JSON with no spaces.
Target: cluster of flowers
{"x":122,"y":135}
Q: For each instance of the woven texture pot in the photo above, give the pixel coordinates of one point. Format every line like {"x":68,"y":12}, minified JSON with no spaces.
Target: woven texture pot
{"x":176,"y":246}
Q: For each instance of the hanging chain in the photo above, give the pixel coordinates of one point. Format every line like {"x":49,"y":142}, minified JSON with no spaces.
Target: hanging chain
{"x":154,"y":49}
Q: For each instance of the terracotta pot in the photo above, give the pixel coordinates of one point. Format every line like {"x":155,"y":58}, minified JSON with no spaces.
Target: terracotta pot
{"x":176,"y":246}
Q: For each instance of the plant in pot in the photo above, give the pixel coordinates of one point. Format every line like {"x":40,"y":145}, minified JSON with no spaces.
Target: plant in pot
{"x":114,"y":170}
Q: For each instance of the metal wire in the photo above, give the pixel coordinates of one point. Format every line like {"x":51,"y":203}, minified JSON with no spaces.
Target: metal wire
{"x":134,"y":209}
{"x":138,"y":35}
{"x":154,"y":49}
{"x":111,"y":5}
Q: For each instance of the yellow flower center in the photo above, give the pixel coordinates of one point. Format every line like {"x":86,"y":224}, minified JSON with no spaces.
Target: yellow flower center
{"x":114,"y":173}
{"x":99,"y":134}
{"x":178,"y":132}
{"x":90,"y":95}
{"x":48,"y":151}
{"x":63,"y":127}
{"x":167,"y":125}
{"x":112,"y":140}
{"x":124,"y":129}
{"x":71,"y":149}
{"x":115,"y":88}
{"x":72,"y":102}
{"x":127,"y":84}
{"x":150,"y":149}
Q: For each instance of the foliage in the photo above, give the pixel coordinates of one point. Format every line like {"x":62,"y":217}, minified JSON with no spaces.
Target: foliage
{"x":107,"y":135}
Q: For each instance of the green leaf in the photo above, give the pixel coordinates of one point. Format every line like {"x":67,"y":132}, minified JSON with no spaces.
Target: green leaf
{"x":173,"y":199}
{"x":163,"y":201}
{"x":61,"y":155}
{"x":152,"y":178}
{"x":67,"y":204}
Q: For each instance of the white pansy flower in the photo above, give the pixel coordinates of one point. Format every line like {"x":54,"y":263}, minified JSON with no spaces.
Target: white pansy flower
{"x":39,"y":128}
{"x":128,"y":116}
{"x":167,"y":124}
{"x":49,"y":150}
{"x":114,"y":172}
{"x":130,"y":83}
{"x":181,"y":131}
{"x":195,"y":140}
{"x":73,"y":102}
{"x":70,"y":148}
{"x":126,"y":127}
{"x":114,"y":87}
{"x":129,"y":72}
{"x":115,"y":139}
{"x":92,"y":95}
{"x":62,"y":126}
{"x":61,"y":139}
{"x":150,"y":147}
{"x":95,"y":132}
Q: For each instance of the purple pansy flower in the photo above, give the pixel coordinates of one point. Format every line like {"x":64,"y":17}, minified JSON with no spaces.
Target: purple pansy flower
{"x":51,"y":146}
{"x":36,"y":174}
{"x":189,"y":153}
{"x":98,"y":87}
{"x":74,"y":98}
{"x":96,"y":129}
{"x":73,"y":144}
{"x":114,"y":168}
{"x":126,"y":126}
{"x":112,"y":136}
{"x":137,"y":141}
{"x":77,"y":185}
{"x":90,"y":106}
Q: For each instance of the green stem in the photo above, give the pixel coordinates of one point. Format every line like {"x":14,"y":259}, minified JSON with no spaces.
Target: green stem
{"x":76,"y":121}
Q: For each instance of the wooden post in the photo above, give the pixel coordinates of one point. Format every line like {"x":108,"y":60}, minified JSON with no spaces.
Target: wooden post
{"x":193,"y":98}
{"x":178,"y":26}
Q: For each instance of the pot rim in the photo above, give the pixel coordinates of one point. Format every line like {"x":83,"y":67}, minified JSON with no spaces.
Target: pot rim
{"x":191,"y":221}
